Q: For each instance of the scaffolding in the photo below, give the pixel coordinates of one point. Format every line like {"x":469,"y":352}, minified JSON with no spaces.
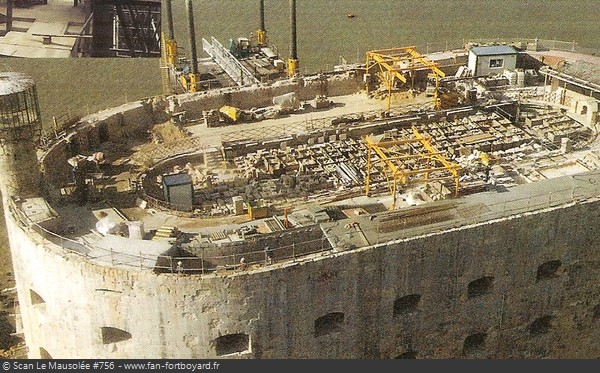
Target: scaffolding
{"x":126,"y":28}
{"x":165,"y":69}
{"x":395,"y":63}
{"x":407,"y":161}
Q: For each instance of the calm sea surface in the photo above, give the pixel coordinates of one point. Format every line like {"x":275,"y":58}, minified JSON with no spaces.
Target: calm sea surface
{"x":325,"y":32}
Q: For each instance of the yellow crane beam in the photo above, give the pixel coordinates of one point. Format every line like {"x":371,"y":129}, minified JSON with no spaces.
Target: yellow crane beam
{"x":453,"y":168}
{"x":387,"y":144}
{"x":389,"y":60}
{"x":432,"y":150}
{"x":396,"y":170}
{"x":385,"y":64}
{"x":426,"y":63}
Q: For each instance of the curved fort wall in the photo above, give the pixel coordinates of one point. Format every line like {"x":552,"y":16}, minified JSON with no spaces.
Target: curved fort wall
{"x":347,"y":304}
{"x":136,"y":118}
{"x":250,"y":97}
{"x":72,"y":308}
{"x":429,"y":296}
{"x":116,"y":124}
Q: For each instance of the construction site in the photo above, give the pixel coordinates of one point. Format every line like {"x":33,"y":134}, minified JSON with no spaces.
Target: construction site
{"x":418,"y":205}
{"x":80,"y":28}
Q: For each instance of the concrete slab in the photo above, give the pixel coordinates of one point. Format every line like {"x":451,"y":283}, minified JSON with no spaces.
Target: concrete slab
{"x":126,"y":252}
{"x":37,"y":210}
{"x":449,"y":214}
{"x":55,"y":18}
{"x":563,"y":170}
{"x":295,"y":122}
{"x":51,"y":28}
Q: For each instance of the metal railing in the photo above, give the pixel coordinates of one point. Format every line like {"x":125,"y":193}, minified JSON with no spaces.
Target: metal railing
{"x":201,"y":263}
{"x":525,"y":43}
{"x":66,"y":122}
{"x":309,"y":124}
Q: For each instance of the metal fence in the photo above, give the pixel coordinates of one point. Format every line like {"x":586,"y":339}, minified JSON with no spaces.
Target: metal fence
{"x":524,"y":43}
{"x":181,"y":263}
{"x":63,"y":123}
{"x":203,"y":264}
{"x":309,"y":124}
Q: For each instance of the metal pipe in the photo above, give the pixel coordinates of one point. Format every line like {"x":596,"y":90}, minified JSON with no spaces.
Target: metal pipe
{"x":170,"y":27}
{"x":293,"y":52}
{"x":126,"y":31}
{"x":192,"y":31}
{"x":262,"y":15}
{"x":9,"y":15}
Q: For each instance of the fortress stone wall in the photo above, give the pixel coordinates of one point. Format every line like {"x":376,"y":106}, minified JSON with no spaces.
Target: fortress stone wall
{"x":524,"y":286}
{"x":136,"y":118}
{"x":347,"y":305}
{"x":254,"y":97}
{"x":132,"y":120}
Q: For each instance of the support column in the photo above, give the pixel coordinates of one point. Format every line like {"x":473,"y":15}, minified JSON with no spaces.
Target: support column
{"x":192,"y":32}
{"x":9,"y":15}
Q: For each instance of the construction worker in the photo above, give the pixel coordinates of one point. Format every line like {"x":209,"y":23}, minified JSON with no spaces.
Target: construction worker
{"x":268,"y":255}
{"x":243,"y":264}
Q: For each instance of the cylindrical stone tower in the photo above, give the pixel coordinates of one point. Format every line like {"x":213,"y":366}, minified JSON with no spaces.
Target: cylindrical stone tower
{"x":20,"y":127}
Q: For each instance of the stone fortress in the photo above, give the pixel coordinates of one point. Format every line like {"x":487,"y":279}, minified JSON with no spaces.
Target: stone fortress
{"x":257,"y":240}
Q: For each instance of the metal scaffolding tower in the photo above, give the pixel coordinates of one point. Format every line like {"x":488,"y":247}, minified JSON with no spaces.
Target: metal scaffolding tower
{"x":396,"y":63}
{"x":407,"y":161}
{"x":126,"y":28}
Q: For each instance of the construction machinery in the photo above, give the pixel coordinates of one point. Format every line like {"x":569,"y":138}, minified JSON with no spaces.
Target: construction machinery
{"x":246,"y":60}
{"x":408,"y":160}
{"x":401,"y":64}
{"x":178,"y":75}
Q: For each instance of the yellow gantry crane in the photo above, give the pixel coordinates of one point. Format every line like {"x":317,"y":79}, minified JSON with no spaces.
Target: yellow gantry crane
{"x":395,"y":62}
{"x":408,"y":160}
{"x":168,"y":60}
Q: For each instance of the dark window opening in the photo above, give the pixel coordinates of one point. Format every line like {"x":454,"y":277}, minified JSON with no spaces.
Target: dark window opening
{"x":35,"y":298}
{"x":407,"y":355}
{"x":90,"y":142}
{"x":541,"y":325}
{"x":44,"y":354}
{"x":548,"y":270}
{"x":480,"y":286}
{"x":114,"y":335}
{"x":330,"y":323}
{"x":496,"y":63}
{"x":232,"y":343}
{"x":406,"y":304}
{"x":73,"y":147}
{"x":103,"y":135}
{"x":596,"y":315}
{"x":474,"y":343}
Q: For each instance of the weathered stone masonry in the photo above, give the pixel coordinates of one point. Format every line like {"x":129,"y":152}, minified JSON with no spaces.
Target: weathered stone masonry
{"x":276,"y":307}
